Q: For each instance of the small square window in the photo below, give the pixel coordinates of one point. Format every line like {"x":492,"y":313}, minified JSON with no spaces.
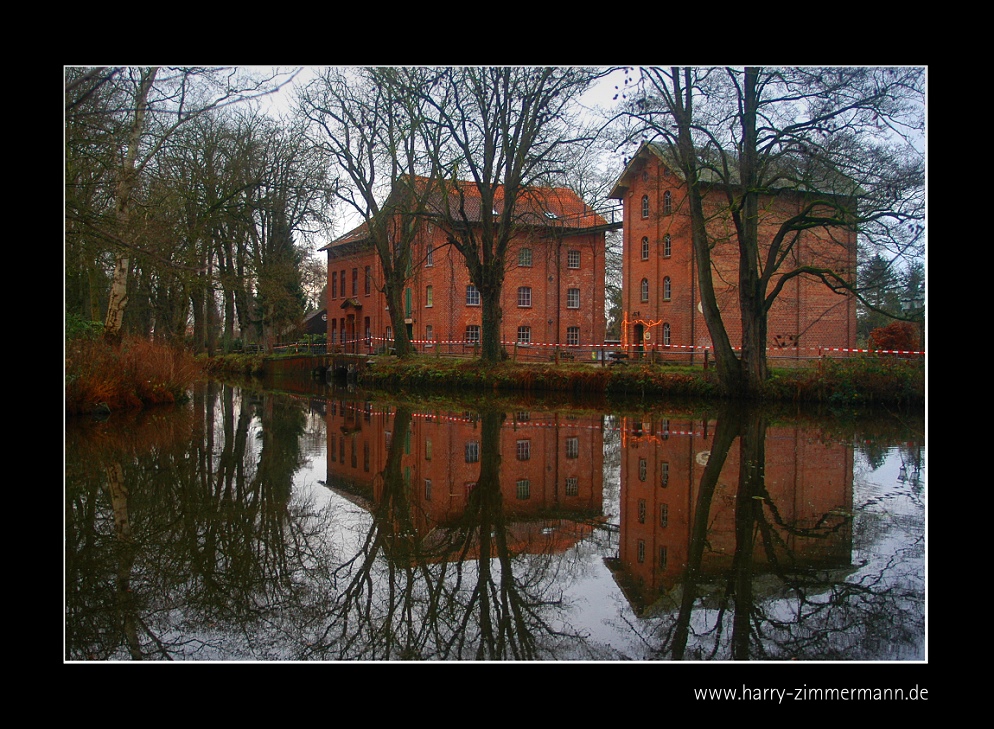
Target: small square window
{"x":525,"y":257}
{"x":524,"y":335}
{"x":473,"y":334}
{"x":524,"y":296}
{"x":573,"y":336}
{"x":573,"y":258}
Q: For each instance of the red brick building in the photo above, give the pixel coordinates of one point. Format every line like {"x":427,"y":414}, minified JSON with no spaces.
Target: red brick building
{"x":808,"y":484}
{"x":551,"y":468}
{"x":661,"y":298}
{"x":553,"y":290}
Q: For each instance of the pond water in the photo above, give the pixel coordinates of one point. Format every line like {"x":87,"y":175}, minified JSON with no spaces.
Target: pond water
{"x":323,"y":524}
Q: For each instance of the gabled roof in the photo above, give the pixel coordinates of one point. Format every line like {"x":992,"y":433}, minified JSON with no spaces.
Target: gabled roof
{"x":805,"y":175}
{"x":546,"y":207}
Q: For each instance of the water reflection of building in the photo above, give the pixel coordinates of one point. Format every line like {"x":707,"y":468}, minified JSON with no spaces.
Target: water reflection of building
{"x":551,"y":468}
{"x":805,"y":516}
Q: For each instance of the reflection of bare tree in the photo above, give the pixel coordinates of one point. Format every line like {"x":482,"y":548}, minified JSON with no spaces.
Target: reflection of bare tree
{"x":198,"y":535}
{"x":457,"y":593}
{"x":785,"y":610}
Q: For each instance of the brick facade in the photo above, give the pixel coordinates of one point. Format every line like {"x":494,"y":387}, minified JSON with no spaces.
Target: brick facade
{"x":661,"y":300}
{"x":553,"y":291}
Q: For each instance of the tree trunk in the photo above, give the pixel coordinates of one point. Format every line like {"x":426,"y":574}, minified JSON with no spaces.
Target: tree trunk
{"x":752,"y":304}
{"x":395,"y":300}
{"x":118,"y":299}
{"x":123,"y":191}
{"x":726,"y":363}
{"x":491,"y":347}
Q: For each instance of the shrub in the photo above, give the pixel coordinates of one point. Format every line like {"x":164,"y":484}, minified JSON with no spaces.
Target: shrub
{"x":897,"y":336}
{"x":139,"y":373}
{"x":79,"y":328}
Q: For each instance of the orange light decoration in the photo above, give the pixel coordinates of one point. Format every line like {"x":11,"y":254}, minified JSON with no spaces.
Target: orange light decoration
{"x":646,"y":324}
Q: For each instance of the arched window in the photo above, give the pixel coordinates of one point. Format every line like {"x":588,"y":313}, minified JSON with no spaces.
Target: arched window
{"x":645,"y":249}
{"x":666,"y":334}
{"x":667,"y":288}
{"x":645,"y":289}
{"x":645,"y":206}
{"x":667,"y":245}
{"x":667,"y":204}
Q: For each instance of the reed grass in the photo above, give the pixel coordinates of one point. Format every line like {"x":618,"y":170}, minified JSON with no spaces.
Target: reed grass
{"x":137,"y":374}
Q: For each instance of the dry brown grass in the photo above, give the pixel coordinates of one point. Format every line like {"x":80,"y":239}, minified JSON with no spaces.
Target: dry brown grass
{"x":137,"y":374}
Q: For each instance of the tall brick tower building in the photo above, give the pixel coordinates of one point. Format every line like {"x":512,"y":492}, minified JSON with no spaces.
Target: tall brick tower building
{"x":661,"y":298}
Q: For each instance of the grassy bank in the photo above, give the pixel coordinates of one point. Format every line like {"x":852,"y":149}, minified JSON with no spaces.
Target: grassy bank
{"x":138,"y":374}
{"x":857,"y":381}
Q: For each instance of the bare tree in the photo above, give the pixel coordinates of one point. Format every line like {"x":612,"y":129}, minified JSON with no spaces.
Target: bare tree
{"x":848,"y":141}
{"x":372,"y":124}
{"x":137,"y":112}
{"x":505,"y":129}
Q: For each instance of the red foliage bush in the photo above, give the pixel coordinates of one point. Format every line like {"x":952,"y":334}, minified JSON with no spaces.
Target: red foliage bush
{"x":138,"y":373}
{"x":897,"y":336}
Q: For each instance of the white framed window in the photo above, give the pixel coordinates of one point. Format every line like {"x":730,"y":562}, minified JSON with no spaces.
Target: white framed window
{"x":641,"y":512}
{"x":667,"y":203}
{"x":664,"y":515}
{"x":573,"y":336}
{"x":645,"y":248}
{"x":572,"y":298}
{"x":667,"y":288}
{"x":645,"y":289}
{"x":429,"y":333}
{"x":429,"y":296}
{"x":667,"y":245}
{"x":524,"y":335}
{"x":645,"y":206}
{"x":523,"y":488}
{"x":666,"y":334}
{"x":523,"y":450}
{"x":573,"y":258}
{"x":525,"y":257}
{"x":472,"y":450}
{"x":524,"y":296}
{"x":473,"y":334}
{"x":573,"y":447}
{"x":472,"y":295}
{"x":643,"y":469}
{"x":430,"y":255}
{"x":664,"y":474}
